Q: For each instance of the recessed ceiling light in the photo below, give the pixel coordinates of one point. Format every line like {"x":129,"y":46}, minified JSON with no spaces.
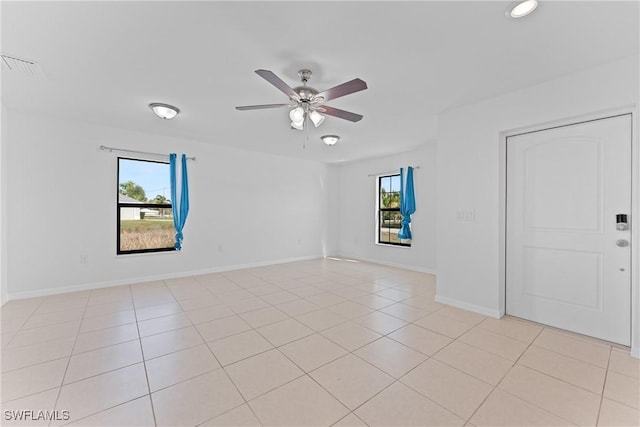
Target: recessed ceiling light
{"x":330,"y":139}
{"x":164,"y":111}
{"x":523,"y":8}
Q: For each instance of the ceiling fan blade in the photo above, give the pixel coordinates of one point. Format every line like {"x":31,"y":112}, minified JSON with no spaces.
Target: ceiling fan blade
{"x":335,"y":112}
{"x":259,"y":107}
{"x":352,"y":86}
{"x":277,"y":82}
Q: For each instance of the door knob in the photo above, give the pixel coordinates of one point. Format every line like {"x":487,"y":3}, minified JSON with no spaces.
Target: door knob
{"x":622,"y":243}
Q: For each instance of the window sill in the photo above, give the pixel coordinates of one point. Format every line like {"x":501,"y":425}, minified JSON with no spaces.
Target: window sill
{"x":391,"y":245}
{"x":145,"y":254}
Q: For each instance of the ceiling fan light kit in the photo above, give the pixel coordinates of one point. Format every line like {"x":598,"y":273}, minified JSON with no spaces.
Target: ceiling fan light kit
{"x":330,"y":140}
{"x":306,"y":102}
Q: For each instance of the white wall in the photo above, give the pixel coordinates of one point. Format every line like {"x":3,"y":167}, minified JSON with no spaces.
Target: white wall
{"x":3,"y":204}
{"x":245,"y":207}
{"x":470,"y":178}
{"x":357,"y":216}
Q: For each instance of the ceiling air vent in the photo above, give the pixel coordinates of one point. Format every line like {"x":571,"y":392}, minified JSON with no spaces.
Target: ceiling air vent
{"x":21,"y":66}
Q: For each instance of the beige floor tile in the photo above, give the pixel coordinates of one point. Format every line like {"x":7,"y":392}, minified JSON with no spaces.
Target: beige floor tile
{"x":374,"y":301}
{"x":394,"y":294}
{"x":279,"y":297}
{"x":108,"y":308}
{"x":202,"y":302}
{"x":299,"y":403}
{"x":33,"y":379}
{"x":506,"y":410}
{"x":594,"y":353}
{"x":208,"y":314}
{"x":163,"y":324}
{"x":350,"y":420}
{"x":511,"y":328}
{"x":158,"y":297}
{"x":623,"y":389}
{"x":234,"y":296}
{"x":615,"y":414}
{"x":398,"y":405}
{"x":390,"y":356}
{"x":44,"y":401}
{"x":404,"y":312}
{"x":262,"y":373}
{"x":350,"y":293}
{"x":242,"y":416}
{"x":44,"y":334}
{"x":169,"y":342}
{"x":108,"y":321}
{"x":461,"y":315}
{"x":571,"y":370}
{"x":155,"y":311}
{"x":380,"y":322}
{"x":443,"y":325}
{"x":558,"y":397}
{"x":351,"y":336}
{"x":135,"y":413}
{"x":264,"y":290}
{"x":350,"y":309}
{"x":105,"y":337}
{"x":176,"y":367}
{"x":622,"y":363}
{"x":351,"y":380}
{"x":326,"y":299}
{"x":103,"y":360}
{"x":247,"y":304}
{"x":424,"y":302}
{"x":475,"y":362}
{"x":312,"y":352}
{"x":37,"y":321}
{"x":321,"y":319}
{"x":264,"y":316}
{"x":21,"y":357}
{"x":456,"y":391}
{"x":201,"y":399}
{"x":492,"y":342}
{"x":421,"y":339}
{"x":222,"y":328}
{"x":306,"y":291}
{"x":240,"y":346}
{"x":101,"y":392}
{"x":297,"y":307}
{"x":284,"y":332}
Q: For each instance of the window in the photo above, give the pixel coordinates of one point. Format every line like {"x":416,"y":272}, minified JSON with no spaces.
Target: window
{"x":144,"y":216}
{"x":389,"y":216}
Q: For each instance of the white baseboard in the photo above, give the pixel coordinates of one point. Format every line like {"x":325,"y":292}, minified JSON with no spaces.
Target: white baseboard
{"x":389,"y":264}
{"x":89,"y":286}
{"x":469,"y":307}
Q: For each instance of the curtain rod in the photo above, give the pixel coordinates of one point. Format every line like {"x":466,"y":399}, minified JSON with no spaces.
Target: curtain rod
{"x":122,"y":150}
{"x":390,"y":172}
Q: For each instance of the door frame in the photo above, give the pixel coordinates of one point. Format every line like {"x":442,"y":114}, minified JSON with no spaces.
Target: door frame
{"x":635,"y":206}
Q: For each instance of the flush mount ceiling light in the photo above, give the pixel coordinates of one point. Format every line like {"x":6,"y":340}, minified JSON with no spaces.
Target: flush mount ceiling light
{"x":164,"y":111}
{"x":523,"y":8}
{"x":330,"y":139}
{"x":306,"y":102}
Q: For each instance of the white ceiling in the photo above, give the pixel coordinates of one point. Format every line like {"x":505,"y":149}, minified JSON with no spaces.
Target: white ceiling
{"x":104,"y":62}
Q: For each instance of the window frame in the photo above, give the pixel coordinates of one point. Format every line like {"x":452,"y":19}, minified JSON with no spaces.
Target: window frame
{"x":136,"y":205}
{"x":380,"y":210}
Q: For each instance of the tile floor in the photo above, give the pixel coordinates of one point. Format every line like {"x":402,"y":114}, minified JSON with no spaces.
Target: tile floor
{"x":322,"y":342}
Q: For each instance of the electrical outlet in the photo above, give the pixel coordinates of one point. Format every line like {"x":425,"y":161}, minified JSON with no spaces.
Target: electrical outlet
{"x":466,"y":215}
{"x":84,"y":259}
{"x":220,"y":248}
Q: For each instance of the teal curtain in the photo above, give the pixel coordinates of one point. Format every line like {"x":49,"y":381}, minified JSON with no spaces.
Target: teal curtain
{"x":180,"y":209}
{"x":407,"y":203}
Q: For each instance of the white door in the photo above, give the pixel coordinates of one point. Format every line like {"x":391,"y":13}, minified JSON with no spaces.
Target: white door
{"x":566,"y":264}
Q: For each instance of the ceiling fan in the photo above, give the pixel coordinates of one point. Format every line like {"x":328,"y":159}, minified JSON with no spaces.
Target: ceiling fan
{"x":307,"y":102}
